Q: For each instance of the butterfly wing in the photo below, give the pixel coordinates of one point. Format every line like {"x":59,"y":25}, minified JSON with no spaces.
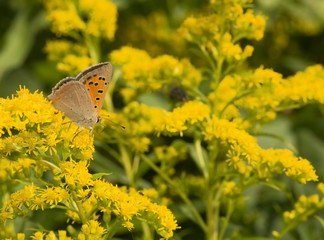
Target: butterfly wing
{"x":96,"y":80}
{"x":61,"y":83}
{"x":73,"y":99}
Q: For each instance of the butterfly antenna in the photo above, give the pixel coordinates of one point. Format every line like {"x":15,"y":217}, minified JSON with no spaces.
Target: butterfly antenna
{"x":76,"y":134}
{"x":119,"y":125}
{"x":123,"y":127}
{"x":66,"y":122}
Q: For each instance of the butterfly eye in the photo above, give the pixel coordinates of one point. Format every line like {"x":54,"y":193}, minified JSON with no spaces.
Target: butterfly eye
{"x":98,"y":120}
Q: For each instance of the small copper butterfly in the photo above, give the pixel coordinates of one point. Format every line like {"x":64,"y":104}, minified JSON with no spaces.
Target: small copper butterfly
{"x":81,"y":98}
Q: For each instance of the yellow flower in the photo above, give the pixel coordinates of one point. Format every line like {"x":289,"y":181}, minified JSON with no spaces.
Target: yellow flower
{"x":92,"y":230}
{"x":128,"y":54}
{"x":38,"y":236}
{"x":230,"y":189}
{"x":145,"y":74}
{"x":180,"y":118}
{"x":102,"y":18}
{"x":128,"y":225}
{"x":129,"y":206}
{"x":58,"y":49}
{"x":305,"y":207}
{"x":54,"y":195}
{"x":140,"y":144}
{"x":253,"y":26}
{"x":248,"y":51}
{"x":71,"y":172}
{"x":128,"y":94}
{"x":38,"y":128}
{"x":23,"y":196}
{"x":21,"y":236}
{"x":245,"y":155}
{"x":320,"y":188}
{"x":62,"y":235}
{"x":230,"y":50}
{"x":193,"y":28}
{"x":74,"y":64}
{"x":51,"y":236}
{"x":66,"y":19}
{"x":37,"y":204}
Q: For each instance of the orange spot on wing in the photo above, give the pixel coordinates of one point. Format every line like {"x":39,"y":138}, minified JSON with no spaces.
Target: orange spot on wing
{"x":97,"y":86}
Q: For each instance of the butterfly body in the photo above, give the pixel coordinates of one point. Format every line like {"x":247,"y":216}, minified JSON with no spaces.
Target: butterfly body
{"x":81,"y":98}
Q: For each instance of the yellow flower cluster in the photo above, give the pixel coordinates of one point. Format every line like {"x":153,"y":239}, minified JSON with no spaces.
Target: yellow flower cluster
{"x":264,"y":92}
{"x":67,"y":17}
{"x":102,"y":18}
{"x":253,"y":26}
{"x":57,"y":49}
{"x":29,"y":130}
{"x":132,"y":205}
{"x":247,"y":25}
{"x":32,"y":198}
{"x":84,"y":22}
{"x":193,"y":28}
{"x":298,"y":89}
{"x":246,"y":156}
{"x":32,"y":131}
{"x":181,"y":118}
{"x":305,"y":207}
{"x":233,"y":51}
{"x":222,"y":31}
{"x":91,"y":230}
{"x":64,"y":17}
{"x":71,"y":172}
{"x":145,"y":74}
{"x":258,"y":93}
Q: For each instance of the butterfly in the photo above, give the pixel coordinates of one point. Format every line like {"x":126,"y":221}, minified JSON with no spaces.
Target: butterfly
{"x":81,"y":98}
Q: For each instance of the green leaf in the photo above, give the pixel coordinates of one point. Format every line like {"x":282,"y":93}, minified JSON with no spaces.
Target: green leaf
{"x":99,"y":175}
{"x":200,"y":158}
{"x":321,"y":220}
{"x":19,"y":39}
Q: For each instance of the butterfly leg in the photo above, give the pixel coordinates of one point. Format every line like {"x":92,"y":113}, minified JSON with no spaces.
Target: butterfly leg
{"x":77,"y":133}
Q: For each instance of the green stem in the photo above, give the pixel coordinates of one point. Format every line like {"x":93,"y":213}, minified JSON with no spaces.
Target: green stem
{"x":227,"y":218}
{"x":232,"y":101}
{"x":146,"y":231}
{"x":200,"y":94}
{"x":112,"y":152}
{"x":209,"y":59}
{"x":125,"y":159}
{"x":211,"y":212}
{"x":201,"y":159}
{"x":108,"y":99}
{"x":81,"y":211}
{"x":213,"y":206}
{"x":184,"y":197}
{"x":219,"y":68}
{"x":112,"y":228}
{"x":93,"y":48}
